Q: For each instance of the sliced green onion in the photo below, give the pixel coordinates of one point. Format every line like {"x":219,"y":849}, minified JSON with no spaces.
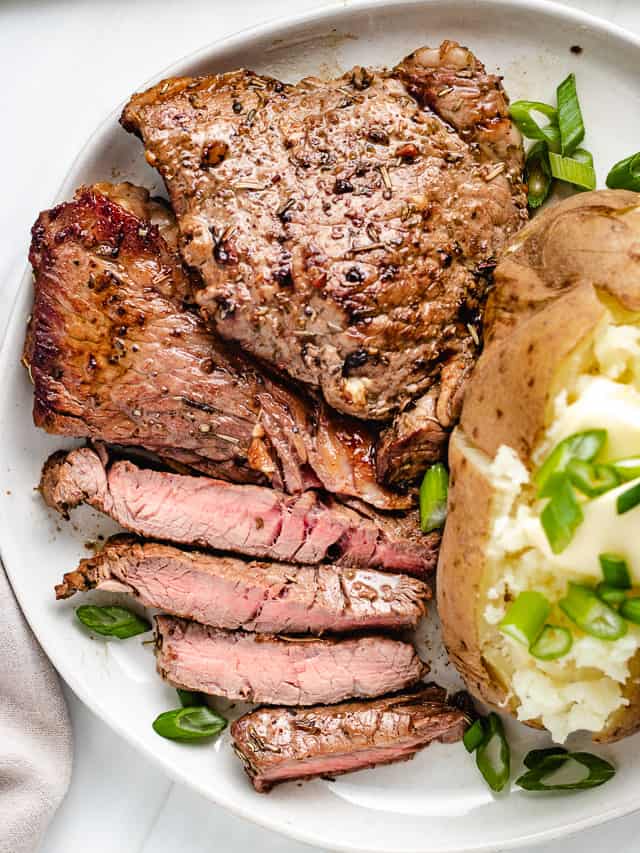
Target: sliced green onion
{"x":590,"y":613}
{"x":630,"y":609}
{"x":493,"y":756}
{"x":521,"y":114}
{"x":536,"y":756}
{"x":525,"y":618}
{"x":628,"y":500}
{"x":474,"y":735}
{"x":553,"y":643}
{"x":592,"y":479}
{"x":189,"y":699}
{"x":627,"y":469}
{"x":112,"y":621}
{"x":625,"y":175}
{"x":599,"y":772}
{"x":615,"y":570}
{"x":433,"y":498}
{"x":191,"y":723}
{"x":569,"y":116}
{"x":613,"y":595}
{"x":538,"y":174}
{"x":577,"y":170}
{"x":562,"y":515}
{"x":581,"y":445}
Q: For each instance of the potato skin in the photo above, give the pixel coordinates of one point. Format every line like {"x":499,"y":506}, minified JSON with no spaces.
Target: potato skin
{"x":551,"y":290}
{"x":590,"y":238}
{"x":461,"y":570}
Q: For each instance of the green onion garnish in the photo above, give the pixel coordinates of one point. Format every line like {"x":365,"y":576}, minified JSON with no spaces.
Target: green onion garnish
{"x":521,"y":114}
{"x":191,"y":723}
{"x":112,"y":621}
{"x":577,"y":170}
{"x":599,"y":771}
{"x":627,"y":469}
{"x":433,"y":498}
{"x":581,"y":445}
{"x":562,"y":515}
{"x":590,"y":613}
{"x":553,"y":643}
{"x":615,"y":570}
{"x":474,"y":735}
{"x":613,"y":595}
{"x":493,"y":756}
{"x":628,"y":500}
{"x":625,"y":175}
{"x":630,"y":609}
{"x":525,"y":618}
{"x":189,"y":699}
{"x":535,"y":756}
{"x":538,"y":174}
{"x":569,"y":116}
{"x":592,"y":479}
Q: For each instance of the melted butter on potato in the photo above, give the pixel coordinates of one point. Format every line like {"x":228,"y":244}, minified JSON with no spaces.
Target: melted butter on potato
{"x":582,"y":689}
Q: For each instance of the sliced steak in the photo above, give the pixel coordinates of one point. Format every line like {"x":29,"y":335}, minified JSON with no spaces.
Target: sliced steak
{"x":252,"y":520}
{"x":281,"y":744}
{"x":279,"y":670}
{"x":263,"y":597}
{"x":114,"y":356}
{"x":343,"y":228}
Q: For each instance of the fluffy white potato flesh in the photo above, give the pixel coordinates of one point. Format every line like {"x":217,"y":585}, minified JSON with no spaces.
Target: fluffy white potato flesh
{"x":584,"y":687}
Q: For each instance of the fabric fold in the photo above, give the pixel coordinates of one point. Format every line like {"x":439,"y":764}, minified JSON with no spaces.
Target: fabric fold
{"x":35,"y":732}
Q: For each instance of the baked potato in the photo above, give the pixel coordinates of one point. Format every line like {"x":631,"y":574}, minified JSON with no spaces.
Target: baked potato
{"x":562,"y":359}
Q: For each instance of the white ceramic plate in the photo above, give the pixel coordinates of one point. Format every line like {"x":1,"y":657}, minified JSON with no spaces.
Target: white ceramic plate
{"x":438,"y":801}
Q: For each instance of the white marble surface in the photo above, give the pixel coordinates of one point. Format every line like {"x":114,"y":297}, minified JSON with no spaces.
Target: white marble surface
{"x":63,"y":66}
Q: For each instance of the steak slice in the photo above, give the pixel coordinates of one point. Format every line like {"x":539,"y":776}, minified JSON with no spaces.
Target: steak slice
{"x":279,"y":670}
{"x":263,"y":597}
{"x":281,"y":744}
{"x":343,"y":229}
{"x":114,"y":356}
{"x":252,"y":520}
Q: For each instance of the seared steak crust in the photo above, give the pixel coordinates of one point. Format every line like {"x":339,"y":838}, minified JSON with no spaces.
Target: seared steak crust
{"x":281,"y":744}
{"x":345,"y":229}
{"x":262,"y":597}
{"x":253,"y":520}
{"x":280,"y":670}
{"x":113,"y":356}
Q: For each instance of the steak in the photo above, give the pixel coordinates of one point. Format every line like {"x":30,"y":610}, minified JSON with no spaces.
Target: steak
{"x":344,"y":230}
{"x":252,"y":520}
{"x":279,"y":670}
{"x":413,"y":441}
{"x":281,"y":744}
{"x":263,"y":597}
{"x":114,"y":356}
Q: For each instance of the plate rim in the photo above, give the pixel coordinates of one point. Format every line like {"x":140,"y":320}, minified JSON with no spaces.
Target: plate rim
{"x":332,"y":11}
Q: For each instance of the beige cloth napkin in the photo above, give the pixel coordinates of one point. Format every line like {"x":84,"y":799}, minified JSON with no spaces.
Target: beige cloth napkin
{"x":35,"y":732}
